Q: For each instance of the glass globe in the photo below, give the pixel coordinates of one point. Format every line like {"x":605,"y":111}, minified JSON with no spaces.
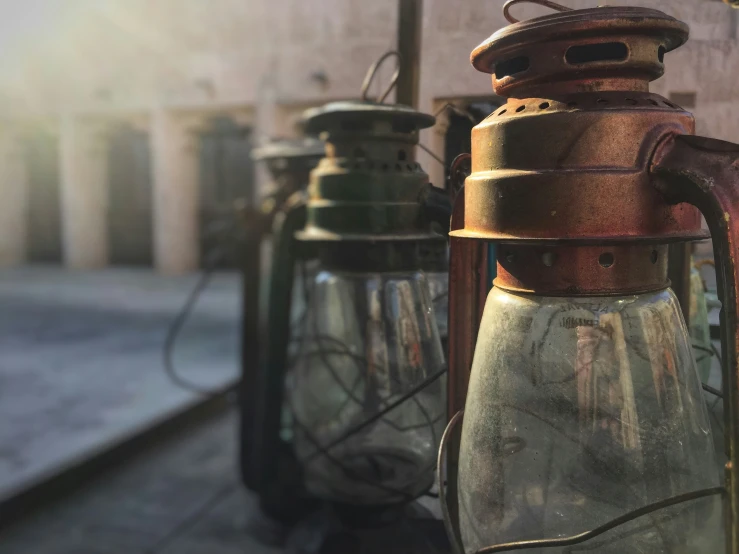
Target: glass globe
{"x":581,"y":410}
{"x":369,"y":341}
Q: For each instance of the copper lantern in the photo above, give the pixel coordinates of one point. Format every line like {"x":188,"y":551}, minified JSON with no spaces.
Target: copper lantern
{"x":583,"y":420}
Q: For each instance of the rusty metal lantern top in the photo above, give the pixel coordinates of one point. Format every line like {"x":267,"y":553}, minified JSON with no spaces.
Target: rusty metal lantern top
{"x":614,"y":48}
{"x":368,"y":187}
{"x":565,"y":160}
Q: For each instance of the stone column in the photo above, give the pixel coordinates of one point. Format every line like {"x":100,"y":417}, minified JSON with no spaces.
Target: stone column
{"x":84,"y":193}
{"x":175,"y":162}
{"x":14,"y":204}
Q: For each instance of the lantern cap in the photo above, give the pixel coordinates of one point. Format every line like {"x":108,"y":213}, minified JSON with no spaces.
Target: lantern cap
{"x":343,"y":114}
{"x":608,"y":44}
{"x":306,"y":147}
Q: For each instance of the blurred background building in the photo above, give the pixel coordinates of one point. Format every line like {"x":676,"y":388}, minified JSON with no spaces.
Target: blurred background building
{"x":127,"y":124}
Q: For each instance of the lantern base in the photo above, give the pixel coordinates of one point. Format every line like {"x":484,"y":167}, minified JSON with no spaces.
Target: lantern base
{"x":334,"y":530}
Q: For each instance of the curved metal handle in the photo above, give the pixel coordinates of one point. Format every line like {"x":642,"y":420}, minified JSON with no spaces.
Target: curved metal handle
{"x":459,"y":171}
{"x":705,"y":173}
{"x":373,"y":71}
{"x":451,"y":531}
{"x":546,"y":3}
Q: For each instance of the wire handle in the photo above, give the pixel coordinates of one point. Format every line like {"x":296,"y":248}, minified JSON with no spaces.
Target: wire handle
{"x":373,"y":71}
{"x":546,"y":3}
{"x":560,"y":542}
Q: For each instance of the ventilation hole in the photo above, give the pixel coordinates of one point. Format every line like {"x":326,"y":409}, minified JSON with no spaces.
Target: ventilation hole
{"x":653,"y":102}
{"x":359,"y":153}
{"x":548,"y":258}
{"x":501,"y":112}
{"x":357,"y":166}
{"x":410,"y":167}
{"x":602,"y":52}
{"x":661,"y":54}
{"x":370,"y":165}
{"x":520,"y":109}
{"x":654,"y":256}
{"x":398,"y":167}
{"x":572,"y":104}
{"x":631,"y":102}
{"x":606,"y":259}
{"x":511,"y":67}
{"x":543,"y":105}
{"x":401,"y":155}
{"x":602,"y":101}
{"x":510,"y":257}
{"x":385,"y":167}
{"x":418,"y":165}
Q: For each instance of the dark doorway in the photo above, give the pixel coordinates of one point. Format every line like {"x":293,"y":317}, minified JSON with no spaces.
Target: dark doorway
{"x":226,"y":176}
{"x":41,"y":151}
{"x":458,"y":135}
{"x":129,"y":198}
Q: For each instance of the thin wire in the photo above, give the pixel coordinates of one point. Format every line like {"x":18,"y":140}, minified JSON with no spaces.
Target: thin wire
{"x":430,"y":153}
{"x":381,"y":413}
{"x":176,"y":327}
{"x":546,"y":3}
{"x":370,"y":420}
{"x":370,"y":76}
{"x":712,"y":391}
{"x":621,"y":520}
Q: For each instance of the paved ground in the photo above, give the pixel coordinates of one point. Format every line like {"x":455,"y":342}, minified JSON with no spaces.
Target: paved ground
{"x":81,"y":360}
{"x":182,"y":497}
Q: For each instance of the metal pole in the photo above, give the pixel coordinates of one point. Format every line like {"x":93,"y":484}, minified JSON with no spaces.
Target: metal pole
{"x":410,"y":15}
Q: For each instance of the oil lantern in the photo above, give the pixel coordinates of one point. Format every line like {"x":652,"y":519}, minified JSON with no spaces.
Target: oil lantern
{"x":583,"y":426}
{"x":354,"y":416}
{"x":289,"y":162}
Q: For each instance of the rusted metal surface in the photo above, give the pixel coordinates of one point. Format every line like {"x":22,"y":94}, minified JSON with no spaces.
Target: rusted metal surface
{"x":705,"y":173}
{"x":584,"y":161}
{"x":582,"y":270}
{"x":574,"y":168}
{"x":546,"y":53}
{"x":367,"y":187}
{"x":468,"y":287}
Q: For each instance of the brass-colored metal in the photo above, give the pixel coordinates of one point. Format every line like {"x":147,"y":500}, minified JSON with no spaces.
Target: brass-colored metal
{"x":583,"y":160}
{"x":574,"y":168}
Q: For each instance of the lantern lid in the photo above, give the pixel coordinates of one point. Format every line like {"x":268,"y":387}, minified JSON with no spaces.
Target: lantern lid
{"x":368,"y":186}
{"x":608,"y":48}
{"x":306,"y":147}
{"x":346,"y":115}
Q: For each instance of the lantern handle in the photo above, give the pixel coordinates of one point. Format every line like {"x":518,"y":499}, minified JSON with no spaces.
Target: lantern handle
{"x":372,"y":71}
{"x":546,"y":3}
{"x":705,"y":173}
{"x":456,"y":541}
{"x":451,"y":531}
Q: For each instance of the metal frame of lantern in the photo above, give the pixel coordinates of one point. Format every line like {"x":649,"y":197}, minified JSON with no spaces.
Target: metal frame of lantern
{"x":578,"y":215}
{"x":369,"y":207}
{"x":289,"y":162}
